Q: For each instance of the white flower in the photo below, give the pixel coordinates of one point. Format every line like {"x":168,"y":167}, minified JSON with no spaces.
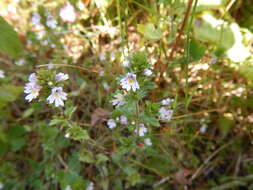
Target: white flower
{"x":111,"y":123}
{"x":148,"y":142}
{"x":68,"y":187}
{"x":112,"y":56}
{"x":51,"y":22}
{"x":67,"y":135}
{"x":67,"y":13}
{"x":50,"y":65}
{"x":32,"y":78}
{"x":32,"y":89}
{"x":119,"y":100}
{"x":147,"y":72}
{"x":61,"y":77}
{"x":1,"y":186}
{"x":165,"y":113}
{"x":57,"y":96}
{"x":167,"y":101}
{"x":90,"y":186}
{"x":36,"y":19}
{"x":20,"y":62}
{"x":142,"y":130}
{"x":129,"y":82}
{"x":126,"y":63}
{"x":102,"y":57}
{"x":123,"y":120}
{"x":2,"y":75}
{"x":106,"y":85}
{"x":203,"y":128}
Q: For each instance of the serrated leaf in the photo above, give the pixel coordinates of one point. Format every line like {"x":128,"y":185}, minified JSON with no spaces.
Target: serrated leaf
{"x":78,"y":133}
{"x":9,"y":40}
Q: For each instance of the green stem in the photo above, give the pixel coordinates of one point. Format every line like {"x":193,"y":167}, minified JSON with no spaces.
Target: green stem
{"x":187,"y":48}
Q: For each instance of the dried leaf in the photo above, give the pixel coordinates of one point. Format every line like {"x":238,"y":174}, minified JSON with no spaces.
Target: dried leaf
{"x":99,"y":115}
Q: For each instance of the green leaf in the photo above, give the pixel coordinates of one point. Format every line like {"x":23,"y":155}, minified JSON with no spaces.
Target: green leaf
{"x":57,"y":121}
{"x":150,"y":32}
{"x":16,"y":131}
{"x":78,"y":133}
{"x":196,"y":50}
{"x":17,"y":143}
{"x":69,"y":111}
{"x":101,"y":158}
{"x":86,"y":156}
{"x":9,"y":93}
{"x":9,"y":40}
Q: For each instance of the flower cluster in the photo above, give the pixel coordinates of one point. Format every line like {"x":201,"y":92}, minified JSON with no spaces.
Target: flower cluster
{"x":56,"y":96}
{"x":32,"y":88}
{"x":165,"y":111}
{"x":111,"y":123}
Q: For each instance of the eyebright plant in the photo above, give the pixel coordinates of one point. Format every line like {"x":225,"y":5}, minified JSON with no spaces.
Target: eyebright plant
{"x":133,"y":111}
{"x":46,"y":86}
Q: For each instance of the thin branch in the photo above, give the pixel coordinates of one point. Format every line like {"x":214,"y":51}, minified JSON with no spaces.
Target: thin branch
{"x":66,"y":65}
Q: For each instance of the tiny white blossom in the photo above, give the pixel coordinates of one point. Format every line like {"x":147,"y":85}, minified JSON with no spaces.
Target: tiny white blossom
{"x":57,"y":96}
{"x":165,"y":113}
{"x":67,"y":13}
{"x":68,"y":187}
{"x":61,"y":77}
{"x":2,"y":75}
{"x":119,"y":100}
{"x":32,"y":89}
{"x":148,"y":142}
{"x":123,"y":120}
{"x":167,"y":101}
{"x":67,"y":135}
{"x":129,"y":82}
{"x":36,"y":19}
{"x":106,"y":85}
{"x":80,"y":5}
{"x":203,"y":128}
{"x":32,"y":78}
{"x":50,"y":65}
{"x":111,"y":123}
{"x":20,"y":62}
{"x":147,"y":72}
{"x":126,"y":63}
{"x":112,"y":56}
{"x":102,"y":57}
{"x":142,"y":130}
{"x":51,"y":22}
{"x":1,"y":186}
{"x":90,"y":186}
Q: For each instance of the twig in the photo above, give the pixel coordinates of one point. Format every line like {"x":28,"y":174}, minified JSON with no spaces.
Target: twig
{"x":197,"y":113}
{"x":62,"y":162}
{"x":161,"y":181}
{"x":66,"y":65}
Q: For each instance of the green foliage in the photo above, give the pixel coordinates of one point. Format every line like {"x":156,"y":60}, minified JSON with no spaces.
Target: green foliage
{"x":205,"y":66}
{"x":9,"y":40}
{"x":227,"y":37}
{"x":9,"y":93}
